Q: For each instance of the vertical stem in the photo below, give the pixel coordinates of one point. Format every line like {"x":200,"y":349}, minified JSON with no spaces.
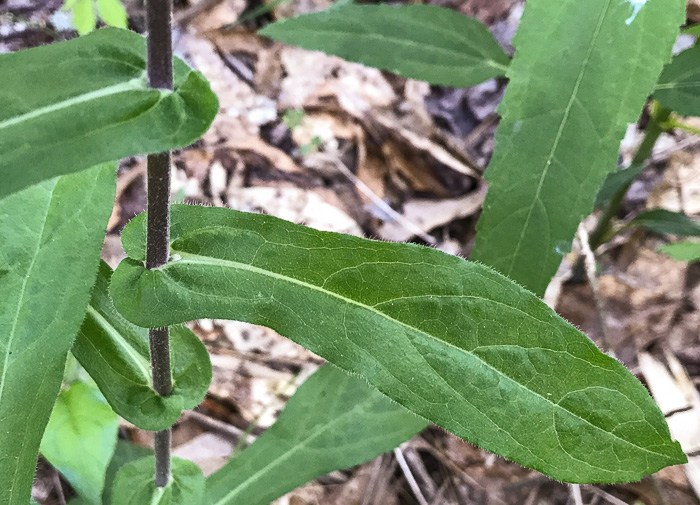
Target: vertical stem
{"x":160,"y":75}
{"x":657,"y":125}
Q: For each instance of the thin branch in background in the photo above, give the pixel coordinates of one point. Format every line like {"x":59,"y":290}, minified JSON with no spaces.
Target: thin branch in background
{"x":317,"y":158}
{"x":398,"y":452}
{"x":227,"y":430}
{"x":370,"y":491}
{"x":590,"y":268}
{"x":58,"y":487}
{"x":439,"y":497}
{"x":576,"y":494}
{"x":606,"y":496}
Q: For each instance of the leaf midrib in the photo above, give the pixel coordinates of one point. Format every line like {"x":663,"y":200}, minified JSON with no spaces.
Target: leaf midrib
{"x":140,"y":362}
{"x":28,"y":275}
{"x":555,"y":145}
{"x":452,"y":53}
{"x":299,"y":445}
{"x":130,"y":85}
{"x":8,"y":348}
{"x":195,"y":259}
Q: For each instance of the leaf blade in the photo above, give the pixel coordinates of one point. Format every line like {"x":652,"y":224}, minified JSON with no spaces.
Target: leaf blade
{"x":116,"y":355}
{"x":418,"y":41}
{"x":333,"y":293}
{"x":682,"y":251}
{"x":57,"y":226}
{"x":679,"y":85}
{"x":667,"y":222}
{"x":75,"y":122}
{"x":80,"y":439}
{"x":319,"y":425}
{"x":134,"y":484}
{"x":559,"y":138}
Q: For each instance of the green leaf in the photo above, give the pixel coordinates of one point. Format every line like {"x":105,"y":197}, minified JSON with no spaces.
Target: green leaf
{"x":98,"y":107}
{"x":691,"y":30}
{"x":80,"y":439}
{"x":453,"y":341}
{"x":112,"y":12}
{"x":332,"y":422}
{"x":615,"y":181}
{"x":51,"y":237}
{"x":667,"y":222}
{"x":83,"y":16}
{"x":679,"y":85}
{"x":134,"y":484}
{"x":116,"y":355}
{"x":423,"y":42}
{"x":682,"y":251}
{"x":124,"y":454}
{"x":564,"y":114}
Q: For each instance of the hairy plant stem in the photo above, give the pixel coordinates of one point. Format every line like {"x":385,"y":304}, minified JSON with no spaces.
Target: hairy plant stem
{"x":658,"y":124}
{"x":160,"y":75}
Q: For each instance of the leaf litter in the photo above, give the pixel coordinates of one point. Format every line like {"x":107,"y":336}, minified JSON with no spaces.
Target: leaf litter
{"x":413,"y":157}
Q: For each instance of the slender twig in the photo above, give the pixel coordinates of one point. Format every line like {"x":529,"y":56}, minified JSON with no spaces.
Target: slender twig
{"x":367,"y":191}
{"x":576,"y":494}
{"x":589,"y":262}
{"x":58,"y":487}
{"x":160,"y":75}
{"x":413,"y":484}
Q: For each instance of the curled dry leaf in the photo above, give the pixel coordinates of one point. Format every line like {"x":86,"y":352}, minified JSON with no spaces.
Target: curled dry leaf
{"x":429,"y":214}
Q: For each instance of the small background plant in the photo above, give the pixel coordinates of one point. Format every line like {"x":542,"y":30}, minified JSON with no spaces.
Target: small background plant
{"x":362,"y":152}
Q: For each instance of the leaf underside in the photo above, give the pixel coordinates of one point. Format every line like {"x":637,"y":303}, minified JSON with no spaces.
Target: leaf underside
{"x":564,"y":114}
{"x":116,"y":355}
{"x":56,"y":226}
{"x":453,"y":341}
{"x":98,"y":107}
{"x":80,"y":439}
{"x":332,"y":422}
{"x":422,"y":42}
{"x":679,"y":85}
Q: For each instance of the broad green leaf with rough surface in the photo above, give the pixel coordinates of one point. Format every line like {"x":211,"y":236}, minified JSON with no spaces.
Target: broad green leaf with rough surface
{"x":98,"y":107}
{"x":422,"y":42}
{"x":668,"y":222}
{"x":451,"y":340}
{"x":124,"y":454}
{"x":134,"y":484}
{"x":50,"y":240}
{"x":116,"y":355}
{"x":333,"y":421}
{"x":682,"y":251}
{"x":80,"y":439}
{"x":582,"y":71}
{"x":679,"y":85}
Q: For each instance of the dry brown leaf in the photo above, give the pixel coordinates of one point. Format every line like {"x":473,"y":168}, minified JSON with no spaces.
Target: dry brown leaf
{"x":681,"y":405}
{"x":209,"y":451}
{"x":429,"y":214}
{"x":296,"y":205}
{"x":276,"y":157}
{"x":680,"y":188}
{"x":693,"y":11}
{"x":313,"y":77}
